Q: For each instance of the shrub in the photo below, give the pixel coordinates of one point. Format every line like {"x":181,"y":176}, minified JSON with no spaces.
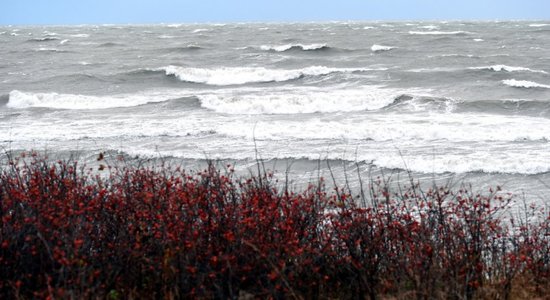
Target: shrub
{"x":161,"y":232}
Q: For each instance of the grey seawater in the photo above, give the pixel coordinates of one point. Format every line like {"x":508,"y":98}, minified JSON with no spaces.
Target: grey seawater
{"x":463,"y":100}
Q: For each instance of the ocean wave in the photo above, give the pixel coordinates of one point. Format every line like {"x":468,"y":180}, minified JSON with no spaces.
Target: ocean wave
{"x":80,"y":35}
{"x":165,"y":36}
{"x":439,"y":32}
{"x":429,"y":27}
{"x":499,"y":68}
{"x":43,"y":39}
{"x":300,"y":101}
{"x":19,"y":100}
{"x":201,"y":30}
{"x":46,"y":49}
{"x":400,"y":127}
{"x":183,"y":48}
{"x":524,"y":84}
{"x":506,"y":106}
{"x":423,"y":103}
{"x":110,"y":44}
{"x":243,"y":75}
{"x":289,"y":47}
{"x":539,"y":25}
{"x":380,"y":48}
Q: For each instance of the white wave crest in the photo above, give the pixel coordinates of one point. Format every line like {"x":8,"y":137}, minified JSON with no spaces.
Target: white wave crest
{"x":18,"y":99}
{"x":300,"y":101}
{"x":46,"y":49}
{"x":538,"y":25}
{"x":438,"y":32}
{"x":242,"y":75}
{"x":524,"y":84}
{"x":80,"y":35}
{"x":380,"y":48}
{"x":429,"y":27}
{"x":499,"y":68}
{"x":286,"y":47}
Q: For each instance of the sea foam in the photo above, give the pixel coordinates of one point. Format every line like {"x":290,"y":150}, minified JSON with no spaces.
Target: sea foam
{"x":380,"y":48}
{"x":300,"y":101}
{"x":438,"y":32}
{"x":499,"y":68}
{"x":18,"y":99}
{"x":524,"y":84}
{"x":243,"y":75}
{"x":287,"y":47}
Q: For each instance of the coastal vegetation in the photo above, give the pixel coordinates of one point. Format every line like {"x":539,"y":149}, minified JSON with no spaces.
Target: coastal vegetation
{"x":119,"y":231}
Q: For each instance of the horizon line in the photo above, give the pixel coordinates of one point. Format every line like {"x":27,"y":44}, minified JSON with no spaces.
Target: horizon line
{"x":272,"y":22}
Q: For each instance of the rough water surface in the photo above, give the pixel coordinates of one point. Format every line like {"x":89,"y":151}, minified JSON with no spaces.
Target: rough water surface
{"x":440,"y":99}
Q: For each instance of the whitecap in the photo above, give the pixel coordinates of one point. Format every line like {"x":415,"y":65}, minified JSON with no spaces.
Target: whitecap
{"x":524,"y":84}
{"x":438,"y":32}
{"x":499,"y":68}
{"x":18,"y":99}
{"x":380,"y":48}
{"x":286,"y":47}
{"x":243,"y":75}
{"x":165,"y":36}
{"x":300,"y":101}
{"x":429,"y":27}
{"x":200,"y":30}
{"x":538,"y":25}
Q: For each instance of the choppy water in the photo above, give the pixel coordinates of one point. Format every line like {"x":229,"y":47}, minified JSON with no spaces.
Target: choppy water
{"x":452,"y":98}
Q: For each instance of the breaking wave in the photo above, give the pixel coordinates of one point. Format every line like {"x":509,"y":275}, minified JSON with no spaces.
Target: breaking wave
{"x":300,"y":101}
{"x":243,"y":75}
{"x":439,"y":32}
{"x":18,"y":100}
{"x":380,"y":48}
{"x":289,"y":47}
{"x":499,"y":68}
{"x":524,"y":84}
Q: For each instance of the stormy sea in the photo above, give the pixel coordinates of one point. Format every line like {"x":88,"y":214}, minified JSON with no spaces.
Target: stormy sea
{"x":444,"y":102}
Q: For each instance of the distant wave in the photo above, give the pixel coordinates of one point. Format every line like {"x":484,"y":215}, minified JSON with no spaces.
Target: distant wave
{"x":300,"y":101}
{"x":380,"y":48}
{"x":430,"y":103}
{"x":538,"y":25}
{"x":18,"y":99}
{"x":288,"y":47}
{"x":439,"y":32}
{"x":429,"y":27}
{"x":243,"y":75}
{"x":183,"y":48}
{"x":200,"y":30}
{"x":44,"y":39}
{"x":499,"y":68}
{"x":80,"y":35}
{"x":46,"y":49}
{"x":110,"y":44}
{"x":524,"y":84}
